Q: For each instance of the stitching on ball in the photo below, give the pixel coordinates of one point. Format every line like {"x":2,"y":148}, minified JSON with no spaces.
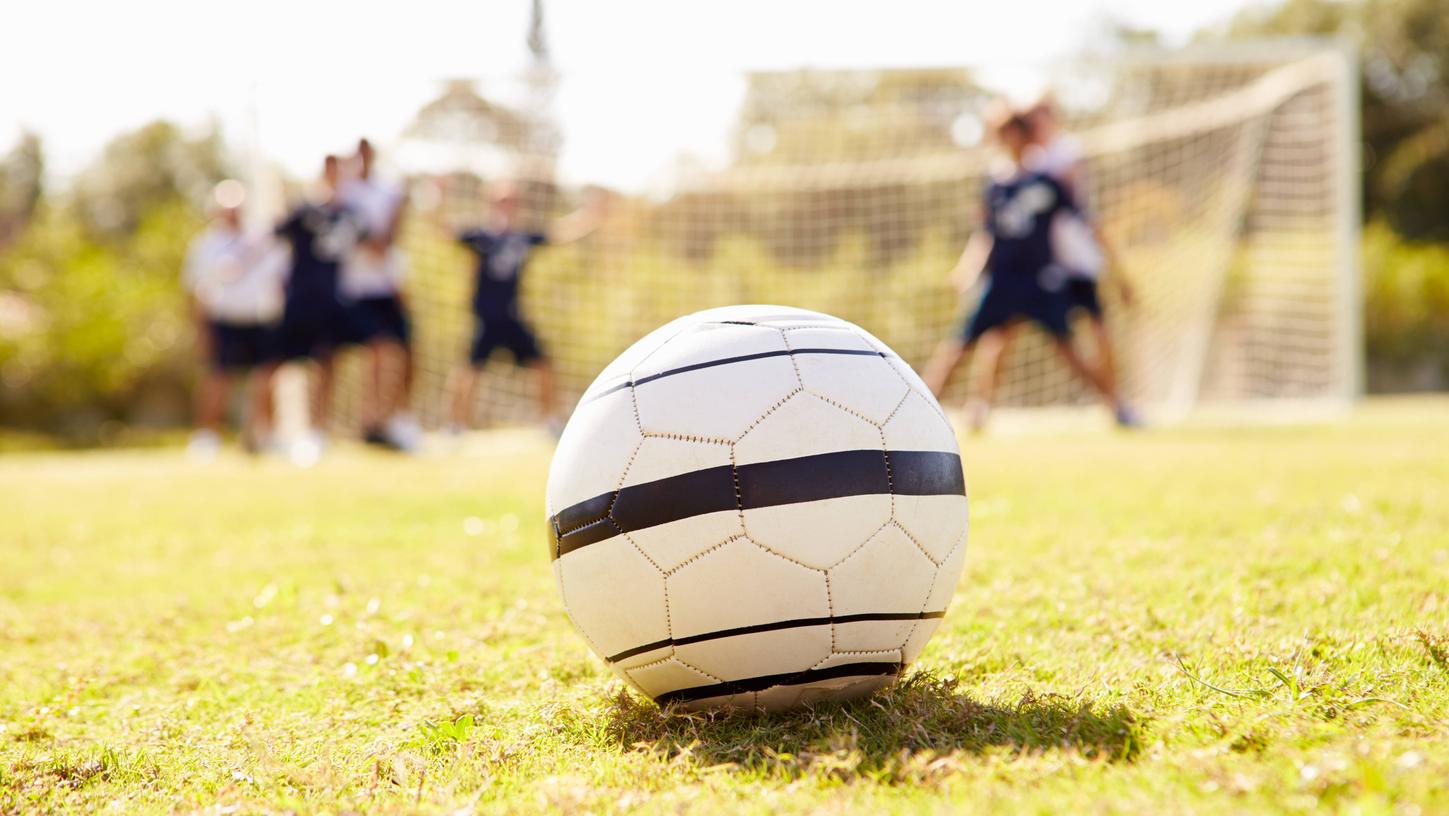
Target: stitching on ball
{"x":651,"y":664}
{"x":857,"y":548}
{"x":772,"y":409}
{"x":830,"y":603}
{"x":782,"y":556}
{"x":702,"y":553}
{"x":689,"y":665}
{"x":924,"y":551}
{"x":847,"y":409}
{"x":795,"y":364}
{"x":897,"y":409}
{"x":706,"y":440}
{"x":563,"y":593}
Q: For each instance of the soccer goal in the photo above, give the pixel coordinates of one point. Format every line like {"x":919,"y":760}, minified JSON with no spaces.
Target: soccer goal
{"x":1225,"y":176}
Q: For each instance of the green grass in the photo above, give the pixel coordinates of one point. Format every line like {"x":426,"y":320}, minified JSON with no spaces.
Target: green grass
{"x":1185,"y":620}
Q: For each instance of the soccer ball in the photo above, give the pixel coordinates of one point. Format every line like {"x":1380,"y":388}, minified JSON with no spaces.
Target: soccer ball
{"x":757,"y":507}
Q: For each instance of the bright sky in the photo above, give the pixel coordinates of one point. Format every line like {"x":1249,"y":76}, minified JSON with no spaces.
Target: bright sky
{"x":648,"y":78}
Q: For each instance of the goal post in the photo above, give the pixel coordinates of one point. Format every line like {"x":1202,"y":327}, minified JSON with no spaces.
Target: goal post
{"x":1225,"y":176}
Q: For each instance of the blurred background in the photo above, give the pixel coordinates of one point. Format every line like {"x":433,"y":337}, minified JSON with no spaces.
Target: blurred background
{"x":1276,"y":176}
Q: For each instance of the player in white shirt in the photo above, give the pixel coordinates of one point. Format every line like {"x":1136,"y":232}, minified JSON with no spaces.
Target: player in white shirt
{"x":1078,"y":248}
{"x":371,"y":285}
{"x":234,"y":279}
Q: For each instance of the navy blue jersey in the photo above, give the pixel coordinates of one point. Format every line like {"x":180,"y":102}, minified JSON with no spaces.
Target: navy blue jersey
{"x":1019,"y":214}
{"x":501,"y":258}
{"x":321,"y":236}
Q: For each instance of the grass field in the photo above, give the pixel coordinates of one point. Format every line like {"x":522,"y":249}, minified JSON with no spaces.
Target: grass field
{"x":1186,"y":620}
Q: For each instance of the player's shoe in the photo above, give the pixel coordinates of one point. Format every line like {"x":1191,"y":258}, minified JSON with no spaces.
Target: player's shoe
{"x":306,"y":450}
{"x":977,"y":412}
{"x":404,"y":433}
{"x":203,"y":446}
{"x":1126,"y":417}
{"x":375,"y":435}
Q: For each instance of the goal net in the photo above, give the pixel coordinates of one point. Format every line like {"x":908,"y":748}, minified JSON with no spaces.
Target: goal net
{"x":1226,"y":180}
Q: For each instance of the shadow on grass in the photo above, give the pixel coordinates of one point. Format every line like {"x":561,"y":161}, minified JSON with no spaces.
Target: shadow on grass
{"x":921,"y":728}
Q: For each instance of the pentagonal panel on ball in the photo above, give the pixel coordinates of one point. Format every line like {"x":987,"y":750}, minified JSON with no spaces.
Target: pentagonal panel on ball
{"x":751,"y":655}
{"x":813,"y":481}
{"x":614,"y":595}
{"x":948,"y":575}
{"x":618,"y":372}
{"x":887,"y":580}
{"x":764,"y":314}
{"x":843,"y":368}
{"x":678,"y":499}
{"x":593,"y":452}
{"x":935,"y":522}
{"x":739,"y":585}
{"x":713,"y":381}
{"x":917,"y":425}
{"x":664,"y":676}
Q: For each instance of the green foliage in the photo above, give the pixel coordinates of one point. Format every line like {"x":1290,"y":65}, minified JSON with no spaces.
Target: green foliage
{"x":1404,"y":53}
{"x":1406,"y":306}
{"x":103,"y":333}
{"x":109,"y":319}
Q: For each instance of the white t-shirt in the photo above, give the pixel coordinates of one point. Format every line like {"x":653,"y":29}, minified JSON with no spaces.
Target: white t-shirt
{"x":1073,"y":243}
{"x":367,"y":273}
{"x":236,"y":276}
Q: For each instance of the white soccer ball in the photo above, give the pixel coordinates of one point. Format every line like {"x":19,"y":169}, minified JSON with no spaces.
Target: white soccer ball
{"x":757,"y":506}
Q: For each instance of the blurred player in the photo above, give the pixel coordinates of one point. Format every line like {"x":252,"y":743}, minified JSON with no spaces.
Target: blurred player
{"x":503,"y":249}
{"x":234,"y":279}
{"x":1078,"y":247}
{"x":371,"y":286}
{"x":321,"y":233}
{"x":1013,"y":251}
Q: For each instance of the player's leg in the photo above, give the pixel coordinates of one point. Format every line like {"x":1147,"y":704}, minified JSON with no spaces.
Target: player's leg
{"x":211,"y":393}
{"x":991,"y":352}
{"x":941,"y":368}
{"x":463,"y":389}
{"x":545,"y":390}
{"x":259,"y":417}
{"x":1084,"y":296}
{"x":323,"y":386}
{"x":1087,"y":372}
{"x":992,"y":310}
{"x":519,"y":338}
{"x":402,"y":428}
{"x":464,"y":382}
{"x":210,"y":398}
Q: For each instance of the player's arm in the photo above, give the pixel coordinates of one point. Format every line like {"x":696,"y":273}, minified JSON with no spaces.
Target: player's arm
{"x":1115,"y":270}
{"x":1111,"y":259}
{"x":972,"y":264}
{"x":583,"y":222}
{"x":380,"y":242}
{"x":191,"y":278}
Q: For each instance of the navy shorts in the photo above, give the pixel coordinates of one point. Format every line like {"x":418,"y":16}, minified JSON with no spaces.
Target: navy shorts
{"x":1082,"y":294}
{"x":503,"y":332}
{"x":313,"y":331}
{"x":1002,"y":305}
{"x":242,"y":346}
{"x":378,"y":318}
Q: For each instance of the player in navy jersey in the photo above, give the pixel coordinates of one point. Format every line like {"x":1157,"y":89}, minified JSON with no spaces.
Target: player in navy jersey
{"x":1013,"y":252}
{"x":371,"y":285}
{"x":503,"y":249}
{"x":1079,"y":248}
{"x":321,"y":233}
{"x":234,"y":278}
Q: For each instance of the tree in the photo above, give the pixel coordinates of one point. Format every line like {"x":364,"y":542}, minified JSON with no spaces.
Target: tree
{"x":21,"y":173}
{"x":153,"y":166}
{"x":1404,"y":51}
